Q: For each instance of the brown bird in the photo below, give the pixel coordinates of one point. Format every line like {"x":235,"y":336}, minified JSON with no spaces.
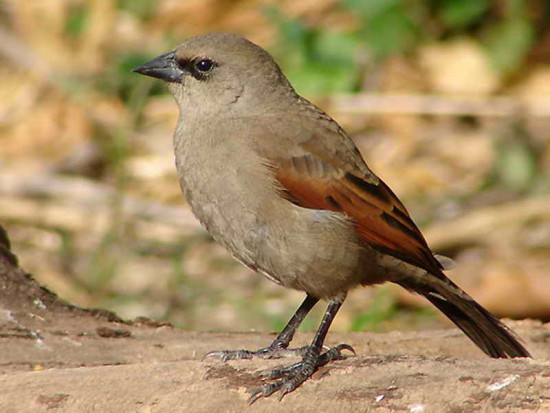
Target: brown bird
{"x":282,"y":186}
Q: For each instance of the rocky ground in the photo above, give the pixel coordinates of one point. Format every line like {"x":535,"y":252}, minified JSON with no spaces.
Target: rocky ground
{"x":59,"y":357}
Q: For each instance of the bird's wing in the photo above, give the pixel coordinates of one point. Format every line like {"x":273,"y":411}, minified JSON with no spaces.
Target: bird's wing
{"x":322,"y":169}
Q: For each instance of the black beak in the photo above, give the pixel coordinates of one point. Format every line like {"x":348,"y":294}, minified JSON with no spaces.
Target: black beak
{"x":163,"y":67}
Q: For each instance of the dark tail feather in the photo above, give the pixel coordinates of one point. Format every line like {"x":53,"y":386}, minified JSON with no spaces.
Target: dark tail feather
{"x":484,"y":329}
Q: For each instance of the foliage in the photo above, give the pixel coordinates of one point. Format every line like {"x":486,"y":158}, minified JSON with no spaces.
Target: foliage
{"x":384,"y":313}
{"x":316,"y":60}
{"x":323,"y":60}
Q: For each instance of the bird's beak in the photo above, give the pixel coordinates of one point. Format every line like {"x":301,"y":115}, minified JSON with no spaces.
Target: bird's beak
{"x":163,"y":67}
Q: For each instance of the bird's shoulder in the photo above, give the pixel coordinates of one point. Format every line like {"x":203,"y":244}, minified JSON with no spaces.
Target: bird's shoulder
{"x":301,"y":129}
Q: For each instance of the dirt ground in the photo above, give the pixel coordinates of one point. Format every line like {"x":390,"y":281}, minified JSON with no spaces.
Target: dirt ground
{"x":58,"y":357}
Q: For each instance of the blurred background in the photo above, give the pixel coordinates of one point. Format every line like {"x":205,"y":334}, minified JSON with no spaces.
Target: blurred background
{"x":449,"y":102}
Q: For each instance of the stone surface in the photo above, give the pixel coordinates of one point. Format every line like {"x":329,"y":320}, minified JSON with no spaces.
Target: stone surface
{"x":57,"y":357}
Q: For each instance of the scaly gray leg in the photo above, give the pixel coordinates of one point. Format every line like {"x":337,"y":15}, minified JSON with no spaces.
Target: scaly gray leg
{"x":279,"y":347}
{"x":293,"y":376}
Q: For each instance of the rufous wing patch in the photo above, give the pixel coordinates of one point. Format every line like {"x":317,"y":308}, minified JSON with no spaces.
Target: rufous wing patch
{"x":380,"y":218}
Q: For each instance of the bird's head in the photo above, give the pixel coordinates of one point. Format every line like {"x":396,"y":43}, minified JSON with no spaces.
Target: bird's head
{"x":218,"y":72}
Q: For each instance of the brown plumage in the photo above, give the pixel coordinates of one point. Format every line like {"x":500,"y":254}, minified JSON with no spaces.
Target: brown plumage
{"x":379,"y":217}
{"x":383,"y":223}
{"x":282,"y":186}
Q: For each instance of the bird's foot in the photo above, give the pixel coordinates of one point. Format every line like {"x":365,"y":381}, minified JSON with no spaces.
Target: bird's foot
{"x":289,"y":378}
{"x":271,"y":352}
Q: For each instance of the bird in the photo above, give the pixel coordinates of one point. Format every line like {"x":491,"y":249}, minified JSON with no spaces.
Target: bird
{"x":282,"y":186}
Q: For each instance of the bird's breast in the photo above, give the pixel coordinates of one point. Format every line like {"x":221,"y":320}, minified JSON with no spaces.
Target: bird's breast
{"x":229,"y":189}
{"x":235,"y":195}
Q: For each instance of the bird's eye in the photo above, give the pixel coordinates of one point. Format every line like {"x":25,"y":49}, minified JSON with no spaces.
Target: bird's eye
{"x":204,"y":65}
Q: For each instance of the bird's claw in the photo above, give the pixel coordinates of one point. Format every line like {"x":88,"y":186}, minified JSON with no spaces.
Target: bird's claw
{"x":291,"y":377}
{"x":226,"y":355}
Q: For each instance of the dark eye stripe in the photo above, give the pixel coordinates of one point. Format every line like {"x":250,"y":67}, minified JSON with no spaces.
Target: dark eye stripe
{"x":191,"y":66}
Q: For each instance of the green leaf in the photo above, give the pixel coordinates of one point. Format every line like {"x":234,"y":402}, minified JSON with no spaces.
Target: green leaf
{"x":383,"y":308}
{"x":292,"y":31}
{"x":336,"y":46}
{"x":318,"y":79}
{"x":516,"y":166}
{"x":460,"y":13}
{"x":76,"y":20}
{"x":391,"y":32}
{"x":370,"y":9}
{"x":316,"y":61}
{"x":508,"y":42}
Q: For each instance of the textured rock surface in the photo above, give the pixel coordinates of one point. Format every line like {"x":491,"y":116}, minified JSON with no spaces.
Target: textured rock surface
{"x":58,"y":357}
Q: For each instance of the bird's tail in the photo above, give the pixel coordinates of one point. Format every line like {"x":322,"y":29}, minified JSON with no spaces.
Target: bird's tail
{"x":484,"y":329}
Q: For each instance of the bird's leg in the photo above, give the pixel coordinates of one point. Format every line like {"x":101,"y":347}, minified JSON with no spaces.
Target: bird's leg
{"x":289,"y":378}
{"x":279,"y":347}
